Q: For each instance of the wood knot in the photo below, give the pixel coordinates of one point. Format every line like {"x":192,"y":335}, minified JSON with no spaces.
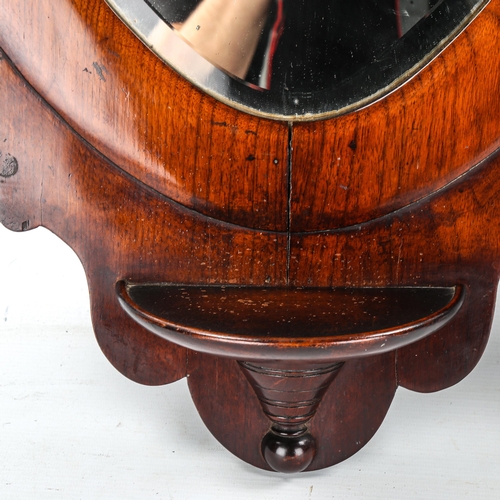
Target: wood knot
{"x":8,"y":165}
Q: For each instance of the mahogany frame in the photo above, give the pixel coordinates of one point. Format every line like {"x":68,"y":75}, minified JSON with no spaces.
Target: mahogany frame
{"x":150,"y":180}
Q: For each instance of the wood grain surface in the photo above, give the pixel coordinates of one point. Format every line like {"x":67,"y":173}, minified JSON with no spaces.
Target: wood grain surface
{"x":119,"y":228}
{"x":144,"y":117}
{"x":150,"y":180}
{"x":369,"y":163}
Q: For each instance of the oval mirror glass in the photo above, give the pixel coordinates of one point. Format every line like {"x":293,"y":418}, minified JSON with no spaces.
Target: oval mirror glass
{"x":299,"y":59}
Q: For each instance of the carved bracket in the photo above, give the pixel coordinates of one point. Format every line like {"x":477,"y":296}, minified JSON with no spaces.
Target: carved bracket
{"x":291,"y":343}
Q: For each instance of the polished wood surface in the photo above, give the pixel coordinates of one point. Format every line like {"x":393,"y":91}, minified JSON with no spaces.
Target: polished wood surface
{"x":397,"y":146}
{"x":165,"y":133}
{"x":290,"y":397}
{"x":406,"y":146}
{"x":64,"y":184}
{"x":151,"y":181}
{"x":352,"y":408}
{"x":301,"y":324}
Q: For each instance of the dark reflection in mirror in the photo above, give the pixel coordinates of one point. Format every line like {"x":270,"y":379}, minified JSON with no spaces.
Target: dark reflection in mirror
{"x":313,"y":57}
{"x":299,"y":45}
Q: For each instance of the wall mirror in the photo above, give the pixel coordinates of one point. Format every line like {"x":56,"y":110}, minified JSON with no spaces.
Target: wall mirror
{"x":295,"y":272}
{"x":301,"y":59}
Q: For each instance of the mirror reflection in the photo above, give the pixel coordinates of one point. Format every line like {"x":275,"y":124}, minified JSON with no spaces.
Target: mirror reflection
{"x":293,"y":44}
{"x":297,"y":59}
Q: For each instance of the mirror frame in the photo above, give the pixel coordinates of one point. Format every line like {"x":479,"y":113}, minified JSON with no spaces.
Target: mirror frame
{"x":404,"y":59}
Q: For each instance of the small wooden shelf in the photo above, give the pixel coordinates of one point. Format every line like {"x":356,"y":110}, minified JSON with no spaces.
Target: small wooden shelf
{"x":318,"y":324}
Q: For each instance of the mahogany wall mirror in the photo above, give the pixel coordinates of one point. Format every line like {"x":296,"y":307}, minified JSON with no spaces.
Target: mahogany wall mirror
{"x":298,"y":237}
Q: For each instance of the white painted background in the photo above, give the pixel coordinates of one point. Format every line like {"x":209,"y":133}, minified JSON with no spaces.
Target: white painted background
{"x":71,"y":427}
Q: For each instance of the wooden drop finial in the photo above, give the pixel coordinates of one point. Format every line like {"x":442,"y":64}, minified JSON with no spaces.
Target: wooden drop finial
{"x":289,"y":394}
{"x":285,"y":453}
